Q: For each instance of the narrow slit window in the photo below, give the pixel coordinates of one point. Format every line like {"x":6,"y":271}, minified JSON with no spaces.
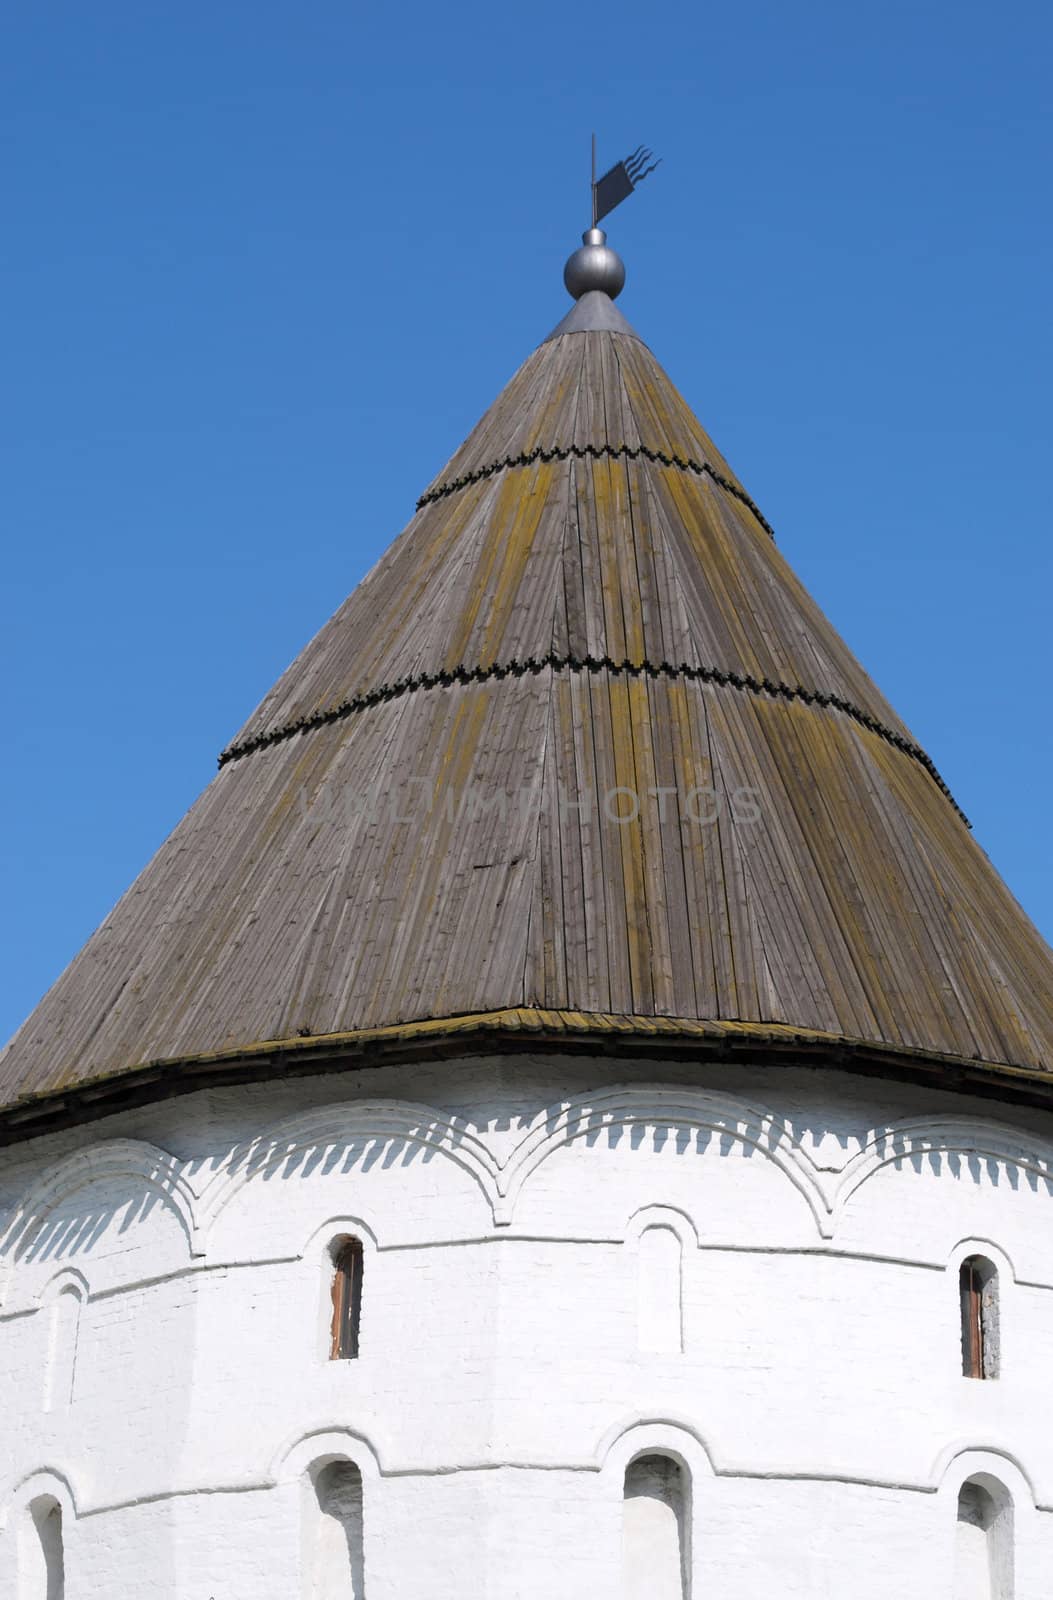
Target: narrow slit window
{"x":978,"y":1287}
{"x":347,"y":1300}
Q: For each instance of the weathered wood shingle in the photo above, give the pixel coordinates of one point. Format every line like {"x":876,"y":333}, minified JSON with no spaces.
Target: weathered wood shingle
{"x":586,"y":617}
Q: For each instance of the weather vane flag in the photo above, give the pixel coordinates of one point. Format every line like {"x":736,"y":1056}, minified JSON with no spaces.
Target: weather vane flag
{"x":617,"y":184}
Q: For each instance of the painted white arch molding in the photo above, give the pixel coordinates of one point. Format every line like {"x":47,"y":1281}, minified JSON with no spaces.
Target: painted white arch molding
{"x":961,"y":1460}
{"x":65,"y":1278}
{"x":639,"y":1434}
{"x":47,"y":1482}
{"x":323,"y":1135}
{"x":320,"y":1446}
{"x":676,"y":1110}
{"x":979,"y":1246}
{"x":660,"y":1216}
{"x":354,"y":1223}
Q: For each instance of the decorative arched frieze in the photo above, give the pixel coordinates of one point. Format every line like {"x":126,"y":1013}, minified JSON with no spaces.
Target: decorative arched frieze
{"x":160,"y":1175}
{"x":301,"y":1143}
{"x":977,"y":1142}
{"x":680,"y":1110}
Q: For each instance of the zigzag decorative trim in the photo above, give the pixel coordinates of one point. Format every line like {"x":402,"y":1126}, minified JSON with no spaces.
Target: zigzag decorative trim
{"x":590,"y":452}
{"x":634,"y":669}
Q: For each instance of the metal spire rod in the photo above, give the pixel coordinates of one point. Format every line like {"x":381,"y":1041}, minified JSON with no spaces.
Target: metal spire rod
{"x":593,"y":180}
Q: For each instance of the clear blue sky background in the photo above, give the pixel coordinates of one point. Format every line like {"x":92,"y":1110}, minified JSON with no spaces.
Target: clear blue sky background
{"x":264,"y":264}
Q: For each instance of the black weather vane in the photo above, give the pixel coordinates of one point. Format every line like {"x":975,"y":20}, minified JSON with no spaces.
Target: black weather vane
{"x":617,"y":184}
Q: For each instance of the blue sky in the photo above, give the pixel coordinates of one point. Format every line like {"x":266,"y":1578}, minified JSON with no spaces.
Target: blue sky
{"x":264,"y":265}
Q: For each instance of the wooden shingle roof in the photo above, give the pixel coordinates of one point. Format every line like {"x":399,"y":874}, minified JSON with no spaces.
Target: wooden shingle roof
{"x":579,"y":750}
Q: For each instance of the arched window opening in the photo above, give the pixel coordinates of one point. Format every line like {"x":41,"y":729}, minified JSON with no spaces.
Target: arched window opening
{"x":337,"y":1569}
{"x":659,"y":1291}
{"x":44,"y":1576}
{"x":978,"y":1283}
{"x":983,"y":1555}
{"x":655,"y":1555}
{"x":63,"y":1333}
{"x":347,"y":1299}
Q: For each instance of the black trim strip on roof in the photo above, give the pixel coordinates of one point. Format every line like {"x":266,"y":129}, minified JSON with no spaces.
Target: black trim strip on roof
{"x":635,"y":669}
{"x":591,"y":452}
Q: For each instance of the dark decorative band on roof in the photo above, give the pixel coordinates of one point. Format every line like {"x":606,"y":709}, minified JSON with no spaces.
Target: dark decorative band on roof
{"x":592,"y":452}
{"x":633,"y":669}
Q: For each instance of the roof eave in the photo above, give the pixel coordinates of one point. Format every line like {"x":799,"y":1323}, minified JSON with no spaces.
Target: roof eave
{"x":514,"y":1031}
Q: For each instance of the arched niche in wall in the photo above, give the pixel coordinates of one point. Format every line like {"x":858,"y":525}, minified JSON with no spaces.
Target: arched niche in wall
{"x":990,"y":1525}
{"x":984,"y":1556}
{"x":656,"y":1529}
{"x":41,"y":1551}
{"x":62,"y":1304}
{"x":334,"y":1508}
{"x":334,"y":1543}
{"x":659,"y":1237}
{"x":655,"y":1472}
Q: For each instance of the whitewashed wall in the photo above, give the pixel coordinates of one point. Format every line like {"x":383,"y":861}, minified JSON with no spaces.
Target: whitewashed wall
{"x":163,"y":1316}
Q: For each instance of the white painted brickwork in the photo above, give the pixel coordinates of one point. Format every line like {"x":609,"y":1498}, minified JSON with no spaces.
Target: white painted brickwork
{"x":164,"y":1331}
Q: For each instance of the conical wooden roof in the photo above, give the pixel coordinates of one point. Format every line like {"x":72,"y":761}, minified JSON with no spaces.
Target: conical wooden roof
{"x":578,"y":761}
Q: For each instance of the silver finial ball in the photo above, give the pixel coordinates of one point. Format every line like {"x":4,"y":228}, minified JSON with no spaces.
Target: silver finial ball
{"x":594,"y":266}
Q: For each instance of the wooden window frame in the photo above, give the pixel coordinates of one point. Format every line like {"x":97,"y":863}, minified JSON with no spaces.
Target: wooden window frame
{"x":978,"y":1293}
{"x":348,"y":1259}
